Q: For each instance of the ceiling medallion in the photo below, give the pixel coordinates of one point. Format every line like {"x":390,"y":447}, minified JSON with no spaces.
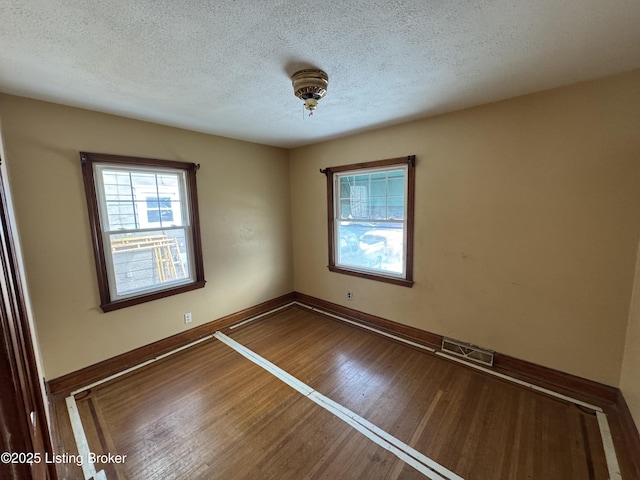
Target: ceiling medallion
{"x":310,"y":85}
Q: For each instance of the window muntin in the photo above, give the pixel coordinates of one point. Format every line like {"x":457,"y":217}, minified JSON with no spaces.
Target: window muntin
{"x":146,"y":232}
{"x":370,"y":219}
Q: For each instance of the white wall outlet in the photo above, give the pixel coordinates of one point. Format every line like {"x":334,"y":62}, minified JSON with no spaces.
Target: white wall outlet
{"x":187,"y":317}
{"x":349,"y":295}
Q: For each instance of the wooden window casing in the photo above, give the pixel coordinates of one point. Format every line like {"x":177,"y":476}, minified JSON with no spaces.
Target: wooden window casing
{"x":103,"y":255}
{"x":406,"y":279}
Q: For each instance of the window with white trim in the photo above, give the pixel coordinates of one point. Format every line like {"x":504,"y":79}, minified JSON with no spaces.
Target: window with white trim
{"x":144,"y":217}
{"x":370,"y":219}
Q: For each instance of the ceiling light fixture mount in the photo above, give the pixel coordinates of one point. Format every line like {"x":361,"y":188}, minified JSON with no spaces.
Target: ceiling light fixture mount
{"x":310,"y":85}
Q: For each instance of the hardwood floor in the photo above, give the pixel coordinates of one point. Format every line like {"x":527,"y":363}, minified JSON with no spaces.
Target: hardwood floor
{"x":207,"y":412}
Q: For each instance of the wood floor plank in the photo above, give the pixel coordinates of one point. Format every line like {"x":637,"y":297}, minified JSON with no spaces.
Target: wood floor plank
{"x":207,"y":413}
{"x":210,"y":413}
{"x":391,"y":384}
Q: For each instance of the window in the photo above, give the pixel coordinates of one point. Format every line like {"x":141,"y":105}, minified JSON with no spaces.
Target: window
{"x":370,"y":219}
{"x":144,"y":220}
{"x":159,"y":209}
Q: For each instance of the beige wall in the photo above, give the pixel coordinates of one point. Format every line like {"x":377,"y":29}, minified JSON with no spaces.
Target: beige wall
{"x":243,"y":192}
{"x":527,"y":224}
{"x":526,"y":227}
{"x":630,"y":381}
{"x":17,"y":246}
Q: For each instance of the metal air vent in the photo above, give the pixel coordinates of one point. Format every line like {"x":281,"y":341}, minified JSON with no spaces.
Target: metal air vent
{"x":468,"y":351}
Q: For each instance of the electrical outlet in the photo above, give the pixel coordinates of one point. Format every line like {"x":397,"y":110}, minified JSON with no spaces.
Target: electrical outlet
{"x":349,"y":295}
{"x":187,"y":317}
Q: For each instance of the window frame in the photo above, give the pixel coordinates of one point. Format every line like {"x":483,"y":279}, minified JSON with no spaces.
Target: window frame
{"x":107,"y":303}
{"x":358,"y":168}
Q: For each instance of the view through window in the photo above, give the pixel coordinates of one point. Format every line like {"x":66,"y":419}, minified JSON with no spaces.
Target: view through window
{"x":144,"y":212}
{"x":371,"y":219}
{"x":144,"y":225}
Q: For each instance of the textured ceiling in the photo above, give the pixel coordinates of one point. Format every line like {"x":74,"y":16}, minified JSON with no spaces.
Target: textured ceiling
{"x":224,"y":67}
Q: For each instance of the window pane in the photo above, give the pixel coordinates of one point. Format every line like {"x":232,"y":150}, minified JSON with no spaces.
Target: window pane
{"x":396,"y":183}
{"x":145,"y":261}
{"x":395,"y":208}
{"x":159,"y":210}
{"x":372,"y":197}
{"x":117,"y":192}
{"x":139,"y":180}
{"x":121,"y":215}
{"x":140,"y":200}
{"x":361,"y":181}
{"x":344,"y":189}
{"x":370,"y":246}
{"x":168,"y":180}
{"x":119,"y":200}
{"x":153,"y":203}
{"x":379,"y":185}
{"x":159,"y":199}
{"x":359,"y":202}
{"x":379,"y":208}
{"x":345,"y":209}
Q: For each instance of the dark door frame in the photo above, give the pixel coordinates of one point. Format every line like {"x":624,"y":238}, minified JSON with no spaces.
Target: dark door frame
{"x":22,"y":406}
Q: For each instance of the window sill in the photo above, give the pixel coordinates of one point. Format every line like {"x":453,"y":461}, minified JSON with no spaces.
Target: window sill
{"x":148,"y":297}
{"x":372,"y":276}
